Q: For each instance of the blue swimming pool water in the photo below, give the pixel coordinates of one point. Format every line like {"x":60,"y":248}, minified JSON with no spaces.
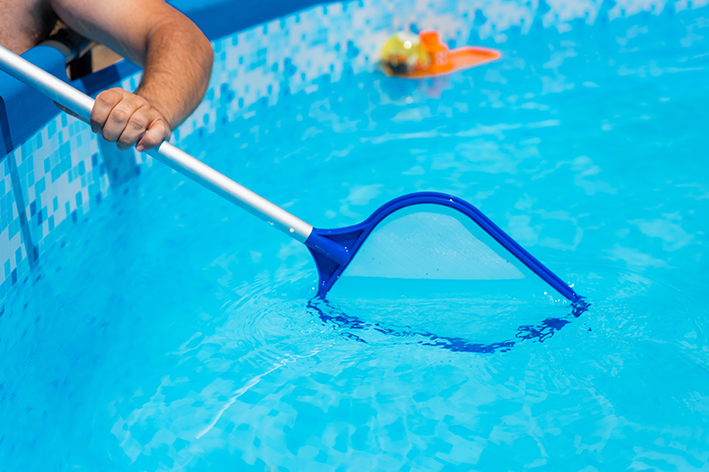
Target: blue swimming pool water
{"x":172,"y":331}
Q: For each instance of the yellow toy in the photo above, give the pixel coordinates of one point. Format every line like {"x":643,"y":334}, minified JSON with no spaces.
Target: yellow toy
{"x":425,"y":55}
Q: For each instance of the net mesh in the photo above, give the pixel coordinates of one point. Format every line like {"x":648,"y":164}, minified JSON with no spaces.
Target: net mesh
{"x":437,"y":251}
{"x":432,"y":242}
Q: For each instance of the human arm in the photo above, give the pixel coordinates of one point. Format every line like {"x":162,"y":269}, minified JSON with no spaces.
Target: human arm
{"x":176,"y":59}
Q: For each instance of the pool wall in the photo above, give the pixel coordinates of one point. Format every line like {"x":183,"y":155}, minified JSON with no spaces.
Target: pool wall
{"x":52,"y":172}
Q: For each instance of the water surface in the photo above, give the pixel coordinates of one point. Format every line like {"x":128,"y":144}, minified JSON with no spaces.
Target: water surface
{"x":172,"y":331}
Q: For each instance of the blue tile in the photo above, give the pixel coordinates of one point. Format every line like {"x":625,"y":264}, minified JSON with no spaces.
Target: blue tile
{"x":40,"y":186}
{"x":64,"y":150}
{"x":14,"y":227}
{"x":27,"y":149}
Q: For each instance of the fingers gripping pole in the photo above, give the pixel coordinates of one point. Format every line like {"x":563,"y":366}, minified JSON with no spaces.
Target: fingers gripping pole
{"x":82,"y":104}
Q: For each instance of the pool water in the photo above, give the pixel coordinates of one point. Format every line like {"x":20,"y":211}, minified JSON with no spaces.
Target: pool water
{"x":170,"y":330}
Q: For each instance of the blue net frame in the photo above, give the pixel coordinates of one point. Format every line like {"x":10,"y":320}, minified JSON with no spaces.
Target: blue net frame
{"x":334,"y":249}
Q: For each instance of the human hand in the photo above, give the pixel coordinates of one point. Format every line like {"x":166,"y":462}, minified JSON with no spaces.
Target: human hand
{"x":127,"y":119}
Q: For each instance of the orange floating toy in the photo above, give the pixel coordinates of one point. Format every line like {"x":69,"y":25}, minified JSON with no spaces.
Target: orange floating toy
{"x":424,"y":55}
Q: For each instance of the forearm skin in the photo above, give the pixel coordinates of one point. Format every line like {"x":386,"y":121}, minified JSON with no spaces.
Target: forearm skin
{"x":176,"y":71}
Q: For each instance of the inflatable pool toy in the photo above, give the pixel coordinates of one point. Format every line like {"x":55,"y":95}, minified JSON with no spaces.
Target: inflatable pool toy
{"x":424,"y":55}
{"x":403,"y":53}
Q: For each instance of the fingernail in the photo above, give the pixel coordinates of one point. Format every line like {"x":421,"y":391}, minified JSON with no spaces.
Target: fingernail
{"x":94,"y":129}
{"x":140,"y":148}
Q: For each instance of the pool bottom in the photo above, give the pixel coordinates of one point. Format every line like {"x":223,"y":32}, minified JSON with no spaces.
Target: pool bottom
{"x":189,"y":371}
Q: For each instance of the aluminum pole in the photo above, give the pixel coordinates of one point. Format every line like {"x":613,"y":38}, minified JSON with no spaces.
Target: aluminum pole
{"x":81,"y":104}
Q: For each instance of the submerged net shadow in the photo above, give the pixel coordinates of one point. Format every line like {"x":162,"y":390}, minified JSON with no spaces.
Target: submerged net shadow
{"x":355,"y":328}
